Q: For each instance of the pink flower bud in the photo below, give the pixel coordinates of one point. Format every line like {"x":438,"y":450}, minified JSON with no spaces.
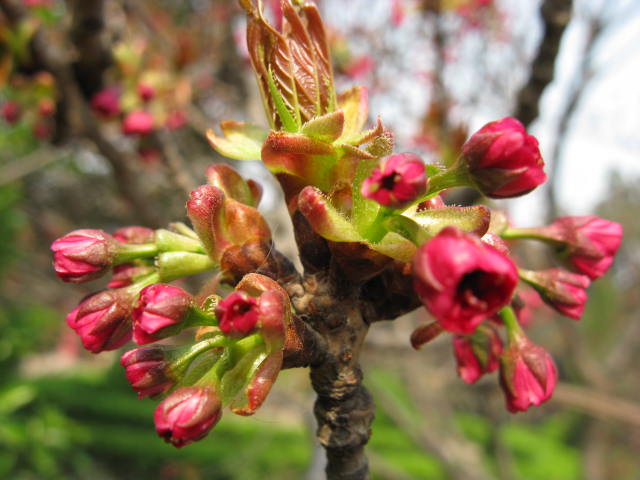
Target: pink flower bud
{"x":134,"y":234}
{"x":175,"y":120}
{"x":591,"y":242}
{"x":461,"y":280}
{"x":103,"y":320}
{"x":159,"y":307}
{"x":137,"y":122}
{"x":398,"y":182}
{"x":146,"y":92}
{"x":237,"y":314}
{"x":11,"y":112}
{"x":562,"y":290}
{"x":478,"y":354}
{"x":127,"y":274}
{"x":187,"y":415}
{"x":106,"y":102}
{"x":503,"y":160}
{"x":83,"y":255}
{"x":528,"y":375}
{"x":146,"y":369}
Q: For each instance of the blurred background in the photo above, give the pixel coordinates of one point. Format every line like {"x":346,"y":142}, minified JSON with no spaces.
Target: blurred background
{"x":436,"y":71}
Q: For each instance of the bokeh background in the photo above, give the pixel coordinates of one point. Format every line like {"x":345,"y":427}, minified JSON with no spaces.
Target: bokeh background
{"x":436,"y":71}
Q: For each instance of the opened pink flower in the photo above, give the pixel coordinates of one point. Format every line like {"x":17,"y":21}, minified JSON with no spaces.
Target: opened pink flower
{"x":398,"y":182}
{"x":462,"y":280}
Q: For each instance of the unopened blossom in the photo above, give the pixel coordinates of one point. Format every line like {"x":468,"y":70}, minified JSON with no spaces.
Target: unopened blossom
{"x":187,"y":415}
{"x":237,"y":314}
{"x":477,"y":354}
{"x":503,"y":160}
{"x":134,"y":234}
{"x":591,"y":242}
{"x":137,"y":122}
{"x":83,"y":255}
{"x":462,"y":280}
{"x":106,"y":103}
{"x":147,"y":370}
{"x":10,"y":112}
{"x":562,"y":290}
{"x":146,"y":92}
{"x":103,"y":320}
{"x":398,"y":182}
{"x":159,"y":307}
{"x":528,"y":375}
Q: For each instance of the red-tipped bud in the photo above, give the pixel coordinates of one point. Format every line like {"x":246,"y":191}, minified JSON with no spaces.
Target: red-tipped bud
{"x":562,"y":290}
{"x":127,"y":274}
{"x":503,"y":160}
{"x":103,"y":320}
{"x":146,"y":92}
{"x":134,"y":234}
{"x":187,"y":415}
{"x":591,"y":242}
{"x":237,"y":314}
{"x":10,"y":112}
{"x":461,"y":280}
{"x":137,"y":122}
{"x":159,"y":313}
{"x":528,"y":375}
{"x":146,"y":369}
{"x":83,"y":255}
{"x":398,"y":182}
{"x":176,"y":120}
{"x":478,"y":354}
{"x":106,"y":103}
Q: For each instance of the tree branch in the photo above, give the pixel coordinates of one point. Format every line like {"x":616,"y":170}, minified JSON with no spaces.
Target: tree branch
{"x":555,"y":17}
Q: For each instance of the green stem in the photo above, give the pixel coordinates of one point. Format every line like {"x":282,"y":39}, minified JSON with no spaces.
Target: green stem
{"x":377,"y":230}
{"x":183,"y":362}
{"x":173,"y":265}
{"x":168,"y":241}
{"x":133,"y":251}
{"x":456,"y":176}
{"x":510,"y":320}
{"x":527,"y":233}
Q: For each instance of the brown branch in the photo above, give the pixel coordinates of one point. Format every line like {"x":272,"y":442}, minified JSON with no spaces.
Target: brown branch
{"x":174,"y":161}
{"x":583,"y":78}
{"x":89,"y":37}
{"x":555,"y":17}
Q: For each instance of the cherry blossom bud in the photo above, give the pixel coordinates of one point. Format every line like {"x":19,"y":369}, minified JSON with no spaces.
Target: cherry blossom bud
{"x":461,"y":280}
{"x":103,"y":320}
{"x":147,"y":370}
{"x":46,"y":107}
{"x":591,"y":242}
{"x":503,"y":160}
{"x":137,"y":122}
{"x":477,"y":354}
{"x":176,"y":120}
{"x":528,"y":375}
{"x":160,"y":307}
{"x":237,"y":314}
{"x":398,"y":182}
{"x":562,"y":290}
{"x":128,"y":273}
{"x":146,"y":92}
{"x":134,"y":234}
{"x":106,"y":103}
{"x":187,"y":415}
{"x":83,"y":255}
{"x":10,"y":112}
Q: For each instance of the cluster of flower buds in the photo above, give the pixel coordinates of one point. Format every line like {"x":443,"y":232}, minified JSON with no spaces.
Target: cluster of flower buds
{"x":371,"y":210}
{"x":236,"y":352}
{"x":31,"y":102}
